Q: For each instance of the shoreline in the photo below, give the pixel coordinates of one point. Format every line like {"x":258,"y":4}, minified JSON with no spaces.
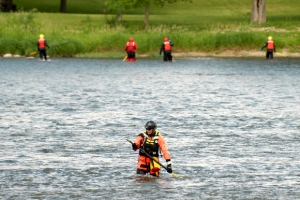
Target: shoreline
{"x":235,"y":54}
{"x":223,"y":54}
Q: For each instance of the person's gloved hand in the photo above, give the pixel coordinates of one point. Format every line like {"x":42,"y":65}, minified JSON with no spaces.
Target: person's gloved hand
{"x":169,"y":167}
{"x":50,"y":47}
{"x":134,"y":147}
{"x":170,"y":41}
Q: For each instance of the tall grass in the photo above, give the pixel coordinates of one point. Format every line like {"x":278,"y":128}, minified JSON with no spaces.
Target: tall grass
{"x":92,"y":34}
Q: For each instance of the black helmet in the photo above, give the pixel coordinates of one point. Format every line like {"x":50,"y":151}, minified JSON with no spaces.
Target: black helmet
{"x":150,"y":125}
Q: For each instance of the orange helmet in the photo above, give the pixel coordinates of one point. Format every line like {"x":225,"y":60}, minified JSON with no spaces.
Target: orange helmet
{"x":166,"y":39}
{"x":131,"y":39}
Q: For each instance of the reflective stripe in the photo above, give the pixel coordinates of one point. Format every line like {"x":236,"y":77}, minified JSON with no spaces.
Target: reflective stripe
{"x":145,"y":135}
{"x":128,"y":44}
{"x":169,"y":162}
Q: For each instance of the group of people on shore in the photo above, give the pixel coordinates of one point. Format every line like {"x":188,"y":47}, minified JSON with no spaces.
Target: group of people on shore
{"x":131,"y":47}
{"x":166,"y":48}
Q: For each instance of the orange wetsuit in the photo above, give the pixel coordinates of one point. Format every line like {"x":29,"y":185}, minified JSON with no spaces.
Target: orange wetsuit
{"x":152,"y":145}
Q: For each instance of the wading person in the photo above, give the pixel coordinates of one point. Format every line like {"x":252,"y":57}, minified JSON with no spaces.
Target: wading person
{"x":270,"y":45}
{"x":166,"y":48}
{"x":42,"y":44}
{"x":130,"y":48}
{"x":152,"y":142}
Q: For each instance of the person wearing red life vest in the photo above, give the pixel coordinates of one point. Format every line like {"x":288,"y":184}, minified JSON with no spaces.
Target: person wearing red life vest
{"x":130,"y":48}
{"x":166,"y":48}
{"x":152,"y":142}
{"x":270,"y":45}
{"x":42,"y":44}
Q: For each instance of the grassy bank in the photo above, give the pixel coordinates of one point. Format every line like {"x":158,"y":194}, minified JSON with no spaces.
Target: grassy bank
{"x":203,"y":26}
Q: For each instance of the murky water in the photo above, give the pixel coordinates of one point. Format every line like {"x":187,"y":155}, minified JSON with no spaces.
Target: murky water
{"x":231,"y":125}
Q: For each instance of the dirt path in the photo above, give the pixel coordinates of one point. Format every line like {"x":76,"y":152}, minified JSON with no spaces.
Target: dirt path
{"x":235,"y":54}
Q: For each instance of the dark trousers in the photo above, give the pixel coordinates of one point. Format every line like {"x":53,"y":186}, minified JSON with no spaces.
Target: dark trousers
{"x":142,"y":172}
{"x":43,"y":54}
{"x":269,"y":54}
{"x":167,"y":56}
{"x":130,"y":56}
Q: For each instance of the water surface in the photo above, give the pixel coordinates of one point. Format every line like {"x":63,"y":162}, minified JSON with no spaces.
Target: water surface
{"x":231,"y":125}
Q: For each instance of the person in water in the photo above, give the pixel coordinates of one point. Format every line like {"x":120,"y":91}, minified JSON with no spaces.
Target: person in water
{"x":152,"y":142}
{"x":130,"y":48}
{"x":270,"y":45}
{"x":166,"y":48}
{"x":42,"y":44}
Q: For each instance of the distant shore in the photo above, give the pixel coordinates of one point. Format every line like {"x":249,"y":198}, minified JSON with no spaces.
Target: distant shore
{"x":221,"y":30}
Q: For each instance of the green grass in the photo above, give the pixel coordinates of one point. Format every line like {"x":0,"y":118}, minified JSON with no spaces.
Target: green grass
{"x":199,"y":26}
{"x":196,"y":8}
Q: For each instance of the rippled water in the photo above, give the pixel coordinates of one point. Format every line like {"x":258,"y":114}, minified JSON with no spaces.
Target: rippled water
{"x":231,"y":125}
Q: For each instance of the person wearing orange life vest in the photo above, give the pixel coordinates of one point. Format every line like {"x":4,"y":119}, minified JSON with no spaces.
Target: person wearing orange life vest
{"x":270,"y":45}
{"x":151,"y":141}
{"x":130,"y":48}
{"x":166,"y":48}
{"x":42,"y":44}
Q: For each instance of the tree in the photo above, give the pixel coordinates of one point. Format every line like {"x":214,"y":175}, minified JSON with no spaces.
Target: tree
{"x":7,"y":5}
{"x":118,"y":6}
{"x":63,"y":6}
{"x":121,"y":4}
{"x":258,"y":11}
{"x":147,"y":3}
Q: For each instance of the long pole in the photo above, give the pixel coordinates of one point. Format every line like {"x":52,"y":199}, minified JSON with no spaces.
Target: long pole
{"x":60,"y":44}
{"x":152,"y":158}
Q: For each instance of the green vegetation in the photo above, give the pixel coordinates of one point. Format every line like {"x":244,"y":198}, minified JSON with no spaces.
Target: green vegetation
{"x":201,"y":26}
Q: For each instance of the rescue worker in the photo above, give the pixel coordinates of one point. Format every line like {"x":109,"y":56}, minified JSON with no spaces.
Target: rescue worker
{"x":153,"y":143}
{"x":130,"y":48}
{"x":270,"y":48}
{"x":42,"y":44}
{"x":166,"y":48}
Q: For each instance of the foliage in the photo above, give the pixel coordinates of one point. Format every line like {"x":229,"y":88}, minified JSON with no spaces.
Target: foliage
{"x":121,"y":5}
{"x":158,"y":3}
{"x":117,"y":5}
{"x":105,"y":40}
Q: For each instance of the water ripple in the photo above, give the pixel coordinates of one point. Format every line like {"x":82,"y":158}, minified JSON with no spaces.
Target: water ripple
{"x":231,"y":126}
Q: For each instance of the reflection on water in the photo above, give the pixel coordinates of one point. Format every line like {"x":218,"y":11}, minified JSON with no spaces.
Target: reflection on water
{"x":231,"y":126}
